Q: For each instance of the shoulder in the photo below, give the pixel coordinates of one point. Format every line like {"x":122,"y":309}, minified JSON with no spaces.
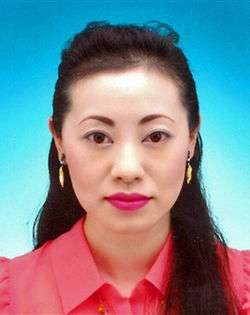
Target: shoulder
{"x":19,"y":272}
{"x":4,"y":285}
{"x":239,"y":262}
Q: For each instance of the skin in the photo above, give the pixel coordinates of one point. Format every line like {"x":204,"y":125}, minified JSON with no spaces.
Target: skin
{"x":126,"y":244}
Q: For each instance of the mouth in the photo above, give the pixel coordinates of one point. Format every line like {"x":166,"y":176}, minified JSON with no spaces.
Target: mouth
{"x":128,"y":197}
{"x":128,"y":205}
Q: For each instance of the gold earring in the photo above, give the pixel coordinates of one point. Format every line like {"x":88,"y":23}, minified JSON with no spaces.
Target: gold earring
{"x":189,"y":170}
{"x":61,"y":173}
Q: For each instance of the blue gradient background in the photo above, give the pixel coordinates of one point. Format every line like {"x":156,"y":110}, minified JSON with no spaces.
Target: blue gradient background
{"x":215,"y":38}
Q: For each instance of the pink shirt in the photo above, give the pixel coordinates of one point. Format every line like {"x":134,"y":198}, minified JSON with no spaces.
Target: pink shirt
{"x":61,"y":277}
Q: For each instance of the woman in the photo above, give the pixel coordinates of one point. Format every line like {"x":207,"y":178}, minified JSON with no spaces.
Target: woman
{"x":125,"y":228}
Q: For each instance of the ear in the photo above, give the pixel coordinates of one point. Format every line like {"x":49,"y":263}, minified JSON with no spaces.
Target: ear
{"x":193,"y":138}
{"x":57,"y":139}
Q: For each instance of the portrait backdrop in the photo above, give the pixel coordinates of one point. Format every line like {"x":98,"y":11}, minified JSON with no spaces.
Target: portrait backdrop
{"x":214,"y":35}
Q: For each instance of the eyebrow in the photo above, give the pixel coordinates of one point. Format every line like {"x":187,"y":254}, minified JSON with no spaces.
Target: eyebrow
{"x":111,"y":123}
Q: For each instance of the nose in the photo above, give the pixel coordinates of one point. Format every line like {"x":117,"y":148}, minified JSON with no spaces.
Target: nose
{"x":127,"y":166}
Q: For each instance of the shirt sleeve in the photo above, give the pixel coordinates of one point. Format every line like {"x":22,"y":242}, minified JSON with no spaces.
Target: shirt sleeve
{"x":246,"y":278}
{"x":4,"y":286}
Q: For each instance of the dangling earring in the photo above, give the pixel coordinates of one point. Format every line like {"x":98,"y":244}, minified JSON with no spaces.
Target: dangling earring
{"x":189,"y":169}
{"x":61,"y":173}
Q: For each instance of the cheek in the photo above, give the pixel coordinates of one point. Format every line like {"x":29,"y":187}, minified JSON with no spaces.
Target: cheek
{"x":170,"y":179}
{"x":171,"y":164}
{"x":85,"y":173}
{"x":173,"y":172}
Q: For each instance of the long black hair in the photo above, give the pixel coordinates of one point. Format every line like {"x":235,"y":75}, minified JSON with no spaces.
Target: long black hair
{"x":199,"y":281}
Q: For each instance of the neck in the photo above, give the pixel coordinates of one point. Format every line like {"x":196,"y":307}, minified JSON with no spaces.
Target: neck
{"x":125,"y":257}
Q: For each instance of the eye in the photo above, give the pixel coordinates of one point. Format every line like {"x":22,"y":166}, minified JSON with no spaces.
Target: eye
{"x":156,"y":136}
{"x":97,"y":136}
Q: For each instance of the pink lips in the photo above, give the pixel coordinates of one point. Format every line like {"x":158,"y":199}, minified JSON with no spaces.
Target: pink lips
{"x":128,"y":202}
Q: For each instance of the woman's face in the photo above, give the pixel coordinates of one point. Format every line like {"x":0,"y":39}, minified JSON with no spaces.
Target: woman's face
{"x":121,"y":154}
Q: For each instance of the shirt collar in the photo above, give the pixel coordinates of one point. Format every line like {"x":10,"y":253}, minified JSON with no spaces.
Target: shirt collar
{"x":158,"y":275}
{"x":77,"y":275}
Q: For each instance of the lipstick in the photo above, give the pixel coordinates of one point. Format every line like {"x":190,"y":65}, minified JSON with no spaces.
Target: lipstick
{"x":128,"y":202}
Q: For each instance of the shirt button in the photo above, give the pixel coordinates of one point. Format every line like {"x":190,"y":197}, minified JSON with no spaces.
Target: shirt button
{"x":101,"y":309}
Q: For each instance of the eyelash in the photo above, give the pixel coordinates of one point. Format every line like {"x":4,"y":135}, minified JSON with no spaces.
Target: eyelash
{"x":167,"y":135}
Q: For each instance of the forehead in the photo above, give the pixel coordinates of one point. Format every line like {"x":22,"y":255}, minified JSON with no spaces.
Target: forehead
{"x":134,"y":92}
